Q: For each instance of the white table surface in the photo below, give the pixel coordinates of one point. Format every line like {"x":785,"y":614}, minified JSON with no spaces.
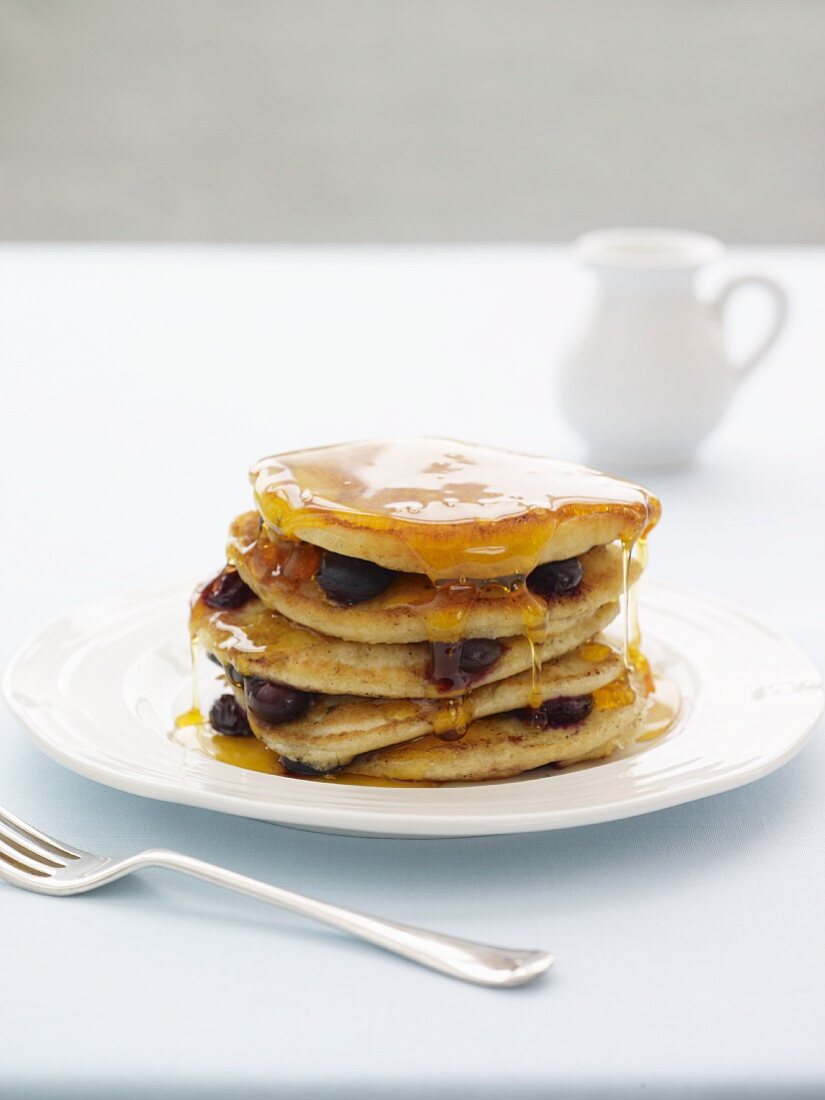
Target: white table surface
{"x":138,"y":385}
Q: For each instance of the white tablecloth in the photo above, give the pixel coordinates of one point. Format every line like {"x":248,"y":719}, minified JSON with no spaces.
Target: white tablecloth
{"x":139,"y":383}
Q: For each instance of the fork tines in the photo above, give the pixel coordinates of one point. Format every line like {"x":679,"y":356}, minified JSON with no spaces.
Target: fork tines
{"x":28,"y":850}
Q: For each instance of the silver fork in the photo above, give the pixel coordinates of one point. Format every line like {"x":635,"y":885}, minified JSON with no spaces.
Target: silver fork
{"x":34,"y":861}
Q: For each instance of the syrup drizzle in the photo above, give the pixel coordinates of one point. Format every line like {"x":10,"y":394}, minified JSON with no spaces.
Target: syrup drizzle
{"x":456,"y":509}
{"x":470,"y":519}
{"x":451,"y":717}
{"x":627,"y":554}
{"x":193,"y":716}
{"x":635,"y":661}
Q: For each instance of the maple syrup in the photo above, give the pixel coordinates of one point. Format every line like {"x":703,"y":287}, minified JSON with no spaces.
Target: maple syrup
{"x":193,"y":716}
{"x":452,"y":717}
{"x":253,"y":755}
{"x":594,"y":651}
{"x":256,"y":633}
{"x":618,"y":693}
{"x":452,"y":520}
{"x":662,"y":708}
{"x":456,"y":509}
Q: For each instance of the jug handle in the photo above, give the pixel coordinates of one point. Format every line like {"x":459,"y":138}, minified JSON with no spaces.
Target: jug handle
{"x":780,"y":302}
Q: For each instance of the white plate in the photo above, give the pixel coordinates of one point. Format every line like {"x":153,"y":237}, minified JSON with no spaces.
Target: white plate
{"x":99,"y":689}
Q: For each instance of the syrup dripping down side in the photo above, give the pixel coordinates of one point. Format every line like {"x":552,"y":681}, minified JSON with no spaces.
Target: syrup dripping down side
{"x":193,"y":716}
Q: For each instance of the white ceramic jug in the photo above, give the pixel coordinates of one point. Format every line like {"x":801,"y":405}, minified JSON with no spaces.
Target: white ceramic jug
{"x":649,"y":377}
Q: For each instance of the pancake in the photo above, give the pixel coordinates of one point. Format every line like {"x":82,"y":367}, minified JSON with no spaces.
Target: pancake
{"x":447,"y":509}
{"x":335,"y":729}
{"x":502,"y":746}
{"x":282,"y":575}
{"x":258,"y":642}
{"x":427,"y":610}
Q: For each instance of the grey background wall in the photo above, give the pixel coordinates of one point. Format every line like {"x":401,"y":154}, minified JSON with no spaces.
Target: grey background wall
{"x":408,"y":120}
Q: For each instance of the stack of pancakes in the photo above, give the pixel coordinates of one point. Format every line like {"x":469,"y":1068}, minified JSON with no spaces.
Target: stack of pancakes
{"x":424,"y":610}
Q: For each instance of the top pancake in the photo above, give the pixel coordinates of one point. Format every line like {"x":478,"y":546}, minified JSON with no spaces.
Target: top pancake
{"x":446,"y":509}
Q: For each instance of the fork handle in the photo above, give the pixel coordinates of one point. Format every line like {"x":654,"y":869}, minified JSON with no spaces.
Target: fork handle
{"x":472,"y":962}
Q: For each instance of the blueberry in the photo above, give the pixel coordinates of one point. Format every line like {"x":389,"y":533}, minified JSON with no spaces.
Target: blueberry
{"x":477,"y":654}
{"x":228,"y":716}
{"x":555,"y":578}
{"x":454,"y":665}
{"x":297,"y":767}
{"x":233,"y":676}
{"x":351,"y":580}
{"x":566,"y":710}
{"x":273,"y":702}
{"x":227,"y":590}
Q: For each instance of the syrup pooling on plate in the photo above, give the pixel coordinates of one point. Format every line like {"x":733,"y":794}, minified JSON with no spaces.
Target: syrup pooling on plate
{"x":253,"y":755}
{"x":663,"y":707}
